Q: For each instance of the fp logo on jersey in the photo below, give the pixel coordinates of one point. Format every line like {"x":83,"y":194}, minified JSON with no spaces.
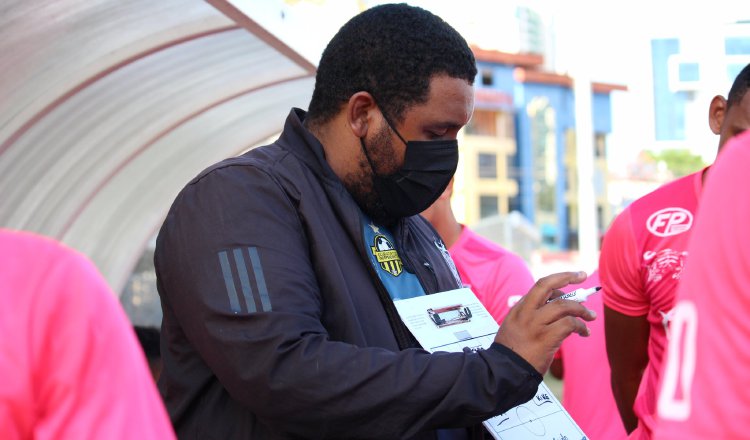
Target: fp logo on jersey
{"x":669,"y":221}
{"x":386,"y":255}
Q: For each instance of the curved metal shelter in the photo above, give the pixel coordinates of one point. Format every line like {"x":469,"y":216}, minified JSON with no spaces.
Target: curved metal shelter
{"x":108,"y":108}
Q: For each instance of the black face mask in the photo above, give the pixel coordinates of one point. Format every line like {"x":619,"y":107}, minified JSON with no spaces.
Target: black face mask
{"x":428,"y":168}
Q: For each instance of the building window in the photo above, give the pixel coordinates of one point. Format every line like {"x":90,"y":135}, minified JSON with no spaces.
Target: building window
{"x":544,"y":153}
{"x":600,"y":145}
{"x":487,"y":78}
{"x":482,"y":123}
{"x":488,"y":206}
{"x":689,"y":72}
{"x":491,"y":123}
{"x":506,"y":125}
{"x":737,"y":46}
{"x":487,"y":166}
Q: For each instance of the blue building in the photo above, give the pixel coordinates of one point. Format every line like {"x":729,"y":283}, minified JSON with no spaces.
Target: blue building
{"x":688,"y":72}
{"x":535,"y":112}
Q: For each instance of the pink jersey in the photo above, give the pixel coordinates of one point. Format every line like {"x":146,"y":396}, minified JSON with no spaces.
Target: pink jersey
{"x":493,"y":273}
{"x":643,"y":254}
{"x":587,"y":394}
{"x":704,"y":388}
{"x":70,"y":364}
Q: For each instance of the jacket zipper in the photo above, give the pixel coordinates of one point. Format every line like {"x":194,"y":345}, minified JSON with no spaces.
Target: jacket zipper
{"x":420,"y":274}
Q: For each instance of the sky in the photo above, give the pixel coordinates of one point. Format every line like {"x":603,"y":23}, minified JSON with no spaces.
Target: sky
{"x":603,"y":41}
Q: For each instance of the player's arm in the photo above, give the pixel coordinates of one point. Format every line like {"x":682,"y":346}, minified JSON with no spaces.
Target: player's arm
{"x":625,"y":310}
{"x":627,"y":351}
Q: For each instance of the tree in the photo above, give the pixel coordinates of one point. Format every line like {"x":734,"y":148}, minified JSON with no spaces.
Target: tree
{"x":680,"y":162}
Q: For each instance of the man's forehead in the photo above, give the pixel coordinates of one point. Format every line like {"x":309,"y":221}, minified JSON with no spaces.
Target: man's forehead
{"x":450,"y":103}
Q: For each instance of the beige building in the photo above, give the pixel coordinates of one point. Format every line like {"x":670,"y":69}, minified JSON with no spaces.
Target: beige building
{"x":482,"y":185}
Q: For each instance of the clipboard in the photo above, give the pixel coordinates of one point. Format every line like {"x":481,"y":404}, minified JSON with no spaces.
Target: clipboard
{"x":456,"y":320}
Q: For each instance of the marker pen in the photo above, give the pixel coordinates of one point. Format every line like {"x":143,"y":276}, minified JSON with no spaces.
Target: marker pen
{"x":578,"y":295}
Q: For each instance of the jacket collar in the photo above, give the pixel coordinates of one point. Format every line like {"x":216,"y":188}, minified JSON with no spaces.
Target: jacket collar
{"x":304,"y":145}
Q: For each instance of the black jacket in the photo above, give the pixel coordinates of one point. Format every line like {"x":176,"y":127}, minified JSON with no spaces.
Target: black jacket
{"x":276,"y":325}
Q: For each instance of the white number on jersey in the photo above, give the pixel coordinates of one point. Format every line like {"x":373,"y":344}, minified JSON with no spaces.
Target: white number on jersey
{"x":674,"y":402}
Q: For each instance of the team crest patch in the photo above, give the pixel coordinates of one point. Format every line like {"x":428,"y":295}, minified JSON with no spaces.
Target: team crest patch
{"x":386,"y":255}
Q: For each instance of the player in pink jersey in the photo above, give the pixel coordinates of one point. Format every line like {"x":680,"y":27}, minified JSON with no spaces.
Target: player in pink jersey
{"x":704,"y":382}
{"x":582,"y":364}
{"x":641,"y":262}
{"x":640,"y":268}
{"x":494,"y":274}
{"x":70,"y":364}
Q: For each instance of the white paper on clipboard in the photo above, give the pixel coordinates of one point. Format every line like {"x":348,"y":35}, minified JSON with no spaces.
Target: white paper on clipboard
{"x":455,"y":320}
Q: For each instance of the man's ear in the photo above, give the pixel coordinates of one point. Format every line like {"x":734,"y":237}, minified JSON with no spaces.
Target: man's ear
{"x":359,"y":113}
{"x":716,"y":112}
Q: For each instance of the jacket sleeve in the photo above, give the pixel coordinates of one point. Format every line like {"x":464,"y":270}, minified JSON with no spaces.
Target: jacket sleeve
{"x":234,"y":264}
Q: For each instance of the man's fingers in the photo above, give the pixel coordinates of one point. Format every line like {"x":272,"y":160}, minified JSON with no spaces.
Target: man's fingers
{"x":560,"y":309}
{"x":579,"y":327}
{"x":541,"y":291}
{"x":567,"y":325}
{"x":535,"y":329}
{"x":556,"y":294}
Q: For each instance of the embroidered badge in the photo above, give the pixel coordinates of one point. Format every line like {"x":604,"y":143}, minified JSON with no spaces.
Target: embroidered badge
{"x":667,"y":263}
{"x":386,"y":255}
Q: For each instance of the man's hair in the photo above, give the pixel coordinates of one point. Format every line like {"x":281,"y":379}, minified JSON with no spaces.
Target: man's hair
{"x":739,"y":87}
{"x":391,"y":51}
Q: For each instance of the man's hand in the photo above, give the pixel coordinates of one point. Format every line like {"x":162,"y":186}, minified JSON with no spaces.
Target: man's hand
{"x":534,"y":329}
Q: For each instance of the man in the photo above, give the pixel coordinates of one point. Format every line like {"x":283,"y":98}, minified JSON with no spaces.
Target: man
{"x":641,"y":261}
{"x":278,"y":270}
{"x":704,"y":384}
{"x":494,"y":274}
{"x":70,"y":363}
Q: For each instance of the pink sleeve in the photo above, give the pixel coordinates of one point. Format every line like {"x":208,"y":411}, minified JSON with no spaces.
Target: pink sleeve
{"x":619,"y":269}
{"x":92,"y":379}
